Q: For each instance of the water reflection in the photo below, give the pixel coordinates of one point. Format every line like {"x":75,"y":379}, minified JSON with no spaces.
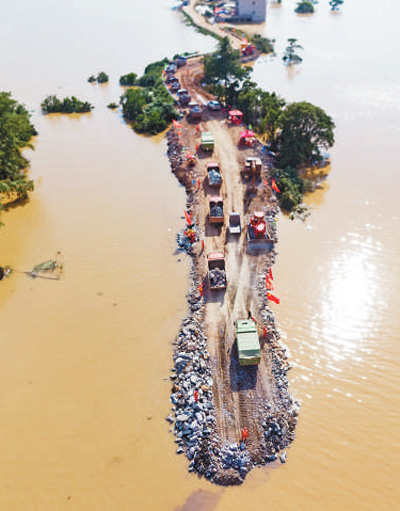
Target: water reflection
{"x":346,"y":317}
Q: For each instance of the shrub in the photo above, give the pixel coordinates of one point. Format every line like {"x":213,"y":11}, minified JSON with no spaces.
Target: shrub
{"x":102,"y":77}
{"x":51,"y":104}
{"x":128,"y":80}
{"x":16,"y":132}
{"x":304,"y":7}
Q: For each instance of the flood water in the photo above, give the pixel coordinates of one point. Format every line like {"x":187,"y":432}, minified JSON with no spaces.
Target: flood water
{"x":85,"y":361}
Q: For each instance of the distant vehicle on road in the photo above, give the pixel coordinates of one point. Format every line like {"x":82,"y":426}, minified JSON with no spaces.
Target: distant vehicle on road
{"x":214,"y":105}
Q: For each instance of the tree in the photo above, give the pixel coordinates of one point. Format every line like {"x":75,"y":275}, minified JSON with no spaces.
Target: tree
{"x":128,"y":80}
{"x":290,"y":56}
{"x":335,"y":4}
{"x":305,"y":129}
{"x":223,"y":67}
{"x":133,"y":102}
{"x":102,"y":77}
{"x":304,"y":7}
{"x":51,"y":104}
{"x":271,"y":109}
{"x":16,"y":132}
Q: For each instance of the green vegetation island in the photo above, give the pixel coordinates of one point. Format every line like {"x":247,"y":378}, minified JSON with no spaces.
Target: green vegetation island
{"x":16,"y":132}
{"x":295,"y":133}
{"x":52,"y":105}
{"x":148,"y":105}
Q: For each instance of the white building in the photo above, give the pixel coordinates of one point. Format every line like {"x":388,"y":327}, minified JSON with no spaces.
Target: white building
{"x":252,"y":10}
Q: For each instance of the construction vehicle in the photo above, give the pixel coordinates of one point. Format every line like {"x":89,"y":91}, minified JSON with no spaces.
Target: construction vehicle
{"x":195,"y":111}
{"x":234,"y":223}
{"x":248,"y":49}
{"x":214,"y":174}
{"x":258,"y":232}
{"x":216,"y":271}
{"x":174,"y":86}
{"x":252,"y":168}
{"x":216,"y":210}
{"x":190,"y":158}
{"x":248,"y":342}
{"x":207,"y":141}
{"x":184,"y":97}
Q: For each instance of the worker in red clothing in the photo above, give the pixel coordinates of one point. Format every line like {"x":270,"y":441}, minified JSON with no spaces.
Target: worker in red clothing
{"x":245,"y":434}
{"x":196,"y":396}
{"x":201,"y":289}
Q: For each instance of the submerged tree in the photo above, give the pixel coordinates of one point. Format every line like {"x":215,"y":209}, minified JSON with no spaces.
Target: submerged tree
{"x":335,"y":4}
{"x":290,"y":56}
{"x":305,"y":129}
{"x":304,"y":7}
{"x":69,"y":105}
{"x":128,"y":80}
{"x":102,"y":77}
{"x":16,"y":132}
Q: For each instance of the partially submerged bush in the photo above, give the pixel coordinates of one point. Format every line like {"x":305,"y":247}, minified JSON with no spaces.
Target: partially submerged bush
{"x":149,"y":106}
{"x":102,"y":77}
{"x":16,"y":132}
{"x":128,"y":80}
{"x":304,"y":7}
{"x":51,"y":104}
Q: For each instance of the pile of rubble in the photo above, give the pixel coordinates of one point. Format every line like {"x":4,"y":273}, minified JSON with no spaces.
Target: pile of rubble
{"x":214,"y":177}
{"x":216,"y":211}
{"x":217,"y":278}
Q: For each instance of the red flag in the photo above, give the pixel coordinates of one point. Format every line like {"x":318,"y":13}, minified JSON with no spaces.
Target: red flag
{"x":188,"y":218}
{"x":273,"y":298}
{"x":275,"y":186}
{"x":270,"y":274}
{"x":268,"y":284}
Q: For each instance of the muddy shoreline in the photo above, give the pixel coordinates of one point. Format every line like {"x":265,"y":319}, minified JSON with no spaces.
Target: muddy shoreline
{"x":195,"y":418}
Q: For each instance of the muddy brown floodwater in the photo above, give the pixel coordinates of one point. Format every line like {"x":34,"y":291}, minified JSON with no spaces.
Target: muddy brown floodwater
{"x":84,"y":361}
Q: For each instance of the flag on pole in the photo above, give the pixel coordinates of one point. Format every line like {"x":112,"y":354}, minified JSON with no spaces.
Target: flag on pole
{"x":273,"y":298}
{"x":268,"y":283}
{"x":188,"y":218}
{"x":270,"y":274}
{"x":275,"y":186}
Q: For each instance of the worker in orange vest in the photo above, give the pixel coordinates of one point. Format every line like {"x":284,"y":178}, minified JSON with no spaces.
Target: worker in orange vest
{"x":245,"y":434}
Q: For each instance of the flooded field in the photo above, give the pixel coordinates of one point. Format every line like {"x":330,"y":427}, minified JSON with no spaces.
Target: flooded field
{"x":85,"y":361}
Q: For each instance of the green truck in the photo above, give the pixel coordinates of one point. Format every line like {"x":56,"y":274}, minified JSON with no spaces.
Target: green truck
{"x":248,"y":343}
{"x":207,"y":141}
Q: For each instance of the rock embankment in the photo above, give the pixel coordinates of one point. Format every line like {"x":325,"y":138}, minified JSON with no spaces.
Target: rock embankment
{"x":193,"y":405}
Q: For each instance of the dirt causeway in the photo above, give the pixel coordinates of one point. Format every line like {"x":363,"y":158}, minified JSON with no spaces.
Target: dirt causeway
{"x":252,"y":397}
